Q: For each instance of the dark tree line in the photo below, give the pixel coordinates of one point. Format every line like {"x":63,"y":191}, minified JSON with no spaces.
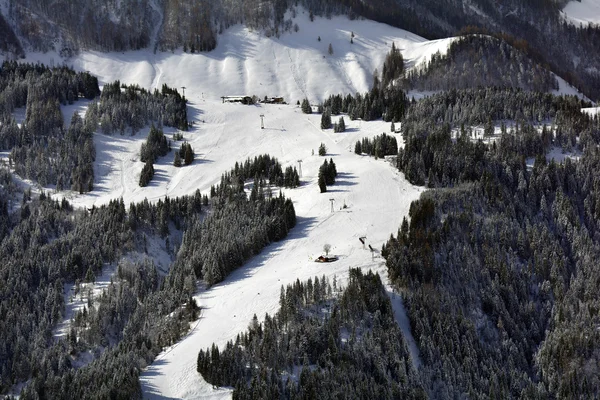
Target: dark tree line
{"x":123,"y":107}
{"x":320,"y":344}
{"x":380,"y":146}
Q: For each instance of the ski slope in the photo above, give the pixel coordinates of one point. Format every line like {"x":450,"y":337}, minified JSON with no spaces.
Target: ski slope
{"x":376,"y":196}
{"x":295,"y":65}
{"x":592,"y":111}
{"x":582,"y":12}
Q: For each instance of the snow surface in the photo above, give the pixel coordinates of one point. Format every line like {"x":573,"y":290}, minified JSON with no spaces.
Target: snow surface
{"x":376,"y":196}
{"x":295,"y":65}
{"x":564,"y":88}
{"x":76,"y":299}
{"x":582,"y":12}
{"x":556,"y":154}
{"x":404,"y":324}
{"x":592,"y":111}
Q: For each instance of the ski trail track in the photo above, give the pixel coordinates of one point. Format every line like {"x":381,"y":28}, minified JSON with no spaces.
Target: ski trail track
{"x":377,"y":197}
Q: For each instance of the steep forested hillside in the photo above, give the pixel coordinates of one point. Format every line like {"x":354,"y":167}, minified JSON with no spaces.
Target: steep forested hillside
{"x":139,"y":313}
{"x":497,"y":261}
{"x":476,"y":61}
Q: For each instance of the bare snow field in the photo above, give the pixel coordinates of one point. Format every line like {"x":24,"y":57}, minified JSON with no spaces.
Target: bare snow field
{"x":583,"y":12}
{"x":295,"y":65}
{"x":592,"y":111}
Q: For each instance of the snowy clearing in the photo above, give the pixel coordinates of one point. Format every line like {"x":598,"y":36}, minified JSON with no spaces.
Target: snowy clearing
{"x":592,"y":111}
{"x":582,"y":12}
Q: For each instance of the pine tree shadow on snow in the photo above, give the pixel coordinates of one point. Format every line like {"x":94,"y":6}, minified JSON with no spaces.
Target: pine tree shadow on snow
{"x":344,"y":179}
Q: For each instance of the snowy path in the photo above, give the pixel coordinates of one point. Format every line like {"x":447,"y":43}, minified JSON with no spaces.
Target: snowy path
{"x":404,"y":324}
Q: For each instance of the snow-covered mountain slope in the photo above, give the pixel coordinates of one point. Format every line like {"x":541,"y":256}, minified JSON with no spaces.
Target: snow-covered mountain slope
{"x":376,"y":196}
{"x":583,"y":12}
{"x":295,"y":65}
{"x":375,"y":193}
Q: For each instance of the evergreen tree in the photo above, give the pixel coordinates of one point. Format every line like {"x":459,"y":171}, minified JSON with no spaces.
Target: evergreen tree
{"x":322,"y":150}
{"x":147,"y":174}
{"x":340,"y":126}
{"x":306,"y":108}
{"x":177,"y":160}
{"x":187,"y":153}
{"x":326,"y":119}
{"x":321,"y":181}
{"x":156,"y":145}
{"x":332,"y":167}
{"x":393,"y":66}
{"x":358,"y":148}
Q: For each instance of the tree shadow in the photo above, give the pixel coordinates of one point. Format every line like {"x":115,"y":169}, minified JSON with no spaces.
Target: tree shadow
{"x":299,"y":232}
{"x":345,"y":179}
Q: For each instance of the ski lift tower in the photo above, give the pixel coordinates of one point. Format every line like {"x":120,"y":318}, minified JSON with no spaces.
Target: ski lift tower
{"x":332,"y":201}
{"x":300,"y":168}
{"x":183,"y":89}
{"x":362,"y":240}
{"x":262,"y":122}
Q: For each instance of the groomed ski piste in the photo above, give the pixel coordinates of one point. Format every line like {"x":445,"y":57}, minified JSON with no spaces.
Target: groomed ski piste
{"x":296,"y":66}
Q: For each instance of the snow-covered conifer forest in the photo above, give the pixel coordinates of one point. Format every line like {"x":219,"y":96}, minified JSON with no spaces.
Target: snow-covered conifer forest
{"x":299,"y":199}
